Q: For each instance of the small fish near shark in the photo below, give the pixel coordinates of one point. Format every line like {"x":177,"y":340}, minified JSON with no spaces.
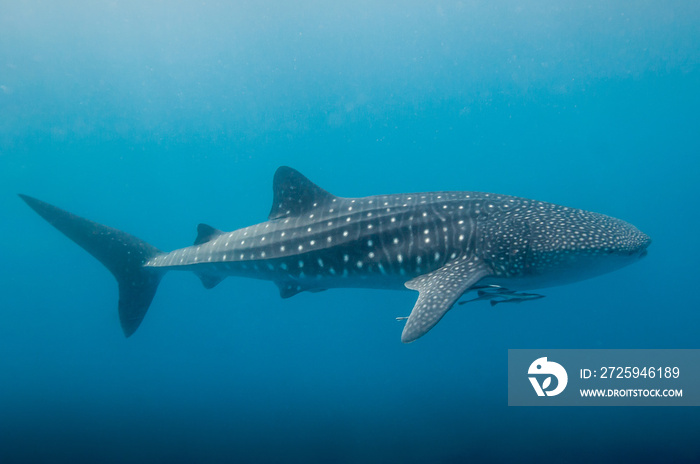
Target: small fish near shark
{"x":441,"y":244}
{"x":497,"y":295}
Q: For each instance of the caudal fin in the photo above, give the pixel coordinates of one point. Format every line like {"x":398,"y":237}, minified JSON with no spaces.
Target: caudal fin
{"x":121,"y":253}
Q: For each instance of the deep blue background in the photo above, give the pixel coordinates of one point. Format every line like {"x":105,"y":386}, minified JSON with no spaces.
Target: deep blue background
{"x":154,"y":116}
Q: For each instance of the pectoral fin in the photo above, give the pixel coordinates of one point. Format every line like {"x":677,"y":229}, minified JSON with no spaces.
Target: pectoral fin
{"x":439,"y":290}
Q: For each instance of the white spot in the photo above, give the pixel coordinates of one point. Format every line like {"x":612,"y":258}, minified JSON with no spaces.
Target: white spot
{"x":396,"y":240}
{"x":359,"y":264}
{"x":282,"y":248}
{"x":393,"y":219}
{"x":399,"y":258}
{"x":370,"y":243}
{"x":301,"y":247}
{"x":346,"y":258}
{"x":312,"y":242}
{"x":329,"y":239}
{"x":345,"y":233}
{"x":371,"y":254}
{"x":427,"y":240}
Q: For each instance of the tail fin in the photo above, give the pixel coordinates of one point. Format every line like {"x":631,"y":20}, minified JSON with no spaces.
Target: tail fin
{"x":121,"y":253}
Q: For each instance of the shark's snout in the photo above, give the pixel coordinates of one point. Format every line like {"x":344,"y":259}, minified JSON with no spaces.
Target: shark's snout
{"x":640,"y":243}
{"x":646,"y":241}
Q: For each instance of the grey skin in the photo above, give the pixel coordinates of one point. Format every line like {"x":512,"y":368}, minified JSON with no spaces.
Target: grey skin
{"x":441,"y":244}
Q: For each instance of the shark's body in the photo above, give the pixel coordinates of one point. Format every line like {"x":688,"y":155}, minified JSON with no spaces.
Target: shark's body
{"x":440,"y":243}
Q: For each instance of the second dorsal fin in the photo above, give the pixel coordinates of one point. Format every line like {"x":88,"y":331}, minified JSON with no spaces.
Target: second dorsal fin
{"x":294,"y":194}
{"x":206,"y":233}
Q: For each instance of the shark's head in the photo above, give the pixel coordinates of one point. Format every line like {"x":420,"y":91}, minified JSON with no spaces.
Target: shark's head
{"x":573,"y":245}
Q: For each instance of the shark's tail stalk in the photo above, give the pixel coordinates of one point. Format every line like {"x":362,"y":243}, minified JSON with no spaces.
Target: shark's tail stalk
{"x":123,"y":254}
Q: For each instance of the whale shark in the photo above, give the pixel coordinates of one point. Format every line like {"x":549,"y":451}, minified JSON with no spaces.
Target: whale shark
{"x":441,"y":244}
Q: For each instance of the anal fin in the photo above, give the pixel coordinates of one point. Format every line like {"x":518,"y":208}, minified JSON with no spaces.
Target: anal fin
{"x":289,"y":288}
{"x":210,"y":281}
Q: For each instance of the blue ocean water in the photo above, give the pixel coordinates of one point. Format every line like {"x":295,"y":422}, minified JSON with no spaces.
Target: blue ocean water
{"x":155,"y":116}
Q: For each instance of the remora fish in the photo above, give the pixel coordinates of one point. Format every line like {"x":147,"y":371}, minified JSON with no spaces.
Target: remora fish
{"x":502,"y":295}
{"x":441,"y":244}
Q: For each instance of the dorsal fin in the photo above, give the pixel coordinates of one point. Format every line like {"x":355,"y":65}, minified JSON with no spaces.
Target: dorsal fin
{"x":294,"y":194}
{"x":206,"y":233}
